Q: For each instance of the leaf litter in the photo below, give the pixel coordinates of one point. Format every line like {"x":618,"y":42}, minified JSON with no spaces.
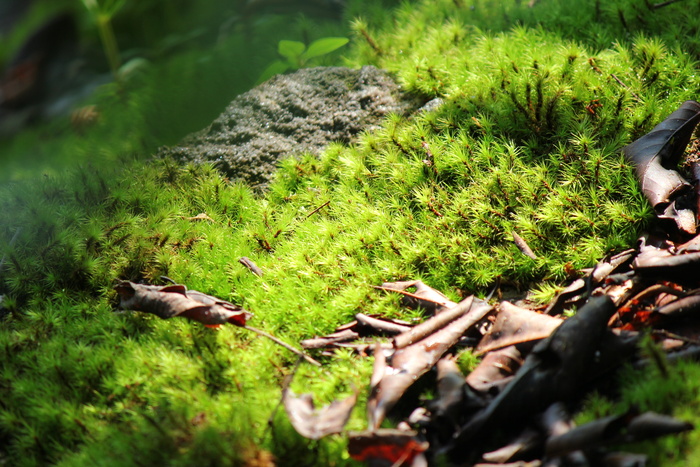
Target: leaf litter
{"x":536,"y":365}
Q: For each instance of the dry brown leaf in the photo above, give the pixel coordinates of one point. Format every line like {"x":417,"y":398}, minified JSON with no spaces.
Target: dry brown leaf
{"x":314,"y":423}
{"x":407,"y":364}
{"x":175,"y":300}
{"x":515,"y":325}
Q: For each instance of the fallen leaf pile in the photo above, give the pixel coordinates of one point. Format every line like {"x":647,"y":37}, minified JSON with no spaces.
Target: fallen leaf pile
{"x":513,"y":408}
{"x":536,"y":364}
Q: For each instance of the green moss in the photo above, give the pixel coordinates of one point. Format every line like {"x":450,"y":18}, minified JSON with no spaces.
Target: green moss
{"x":674,"y":392}
{"x":527,"y":140}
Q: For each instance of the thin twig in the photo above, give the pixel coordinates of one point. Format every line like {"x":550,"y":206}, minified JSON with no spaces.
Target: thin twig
{"x":317,"y":209}
{"x":619,"y":81}
{"x":283,"y":344}
{"x":656,"y":6}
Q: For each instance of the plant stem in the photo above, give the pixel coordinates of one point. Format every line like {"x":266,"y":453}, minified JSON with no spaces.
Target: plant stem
{"x":109,"y":42}
{"x":283,"y":344}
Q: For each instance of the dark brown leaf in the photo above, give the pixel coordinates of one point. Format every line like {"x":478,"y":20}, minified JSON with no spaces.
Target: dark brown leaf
{"x":652,"y":425}
{"x":656,"y":154}
{"x":515,"y":325}
{"x":681,"y":307}
{"x":691,"y":246}
{"x":661,"y":262}
{"x":495,"y":369}
{"x":523,"y":246}
{"x":362,"y":326}
{"x":586,"y":436}
{"x":575,"y":292}
{"x":628,"y":427}
{"x":557,"y":421}
{"x":624,"y":459}
{"x":554,"y":371}
{"x":252,"y":267}
{"x":175,"y":300}
{"x":455,"y":400}
{"x":316,"y":423}
{"x":381,"y":325}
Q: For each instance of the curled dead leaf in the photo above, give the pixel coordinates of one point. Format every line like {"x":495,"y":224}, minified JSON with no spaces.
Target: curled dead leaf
{"x":656,"y":154}
{"x":175,"y":300}
{"x":314,"y":423}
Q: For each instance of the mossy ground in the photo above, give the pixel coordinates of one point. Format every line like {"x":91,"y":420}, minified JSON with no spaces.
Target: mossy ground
{"x":537,"y":103}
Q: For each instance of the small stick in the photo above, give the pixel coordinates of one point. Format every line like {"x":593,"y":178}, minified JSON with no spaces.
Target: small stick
{"x":317,"y":209}
{"x":619,"y":81}
{"x":283,"y":344}
{"x":252,"y":267}
{"x":656,"y":6}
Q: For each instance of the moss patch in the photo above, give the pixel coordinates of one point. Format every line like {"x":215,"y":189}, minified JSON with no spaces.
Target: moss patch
{"x":526,"y":141}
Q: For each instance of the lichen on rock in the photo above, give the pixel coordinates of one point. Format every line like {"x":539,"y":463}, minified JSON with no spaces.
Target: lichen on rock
{"x":292,"y":114}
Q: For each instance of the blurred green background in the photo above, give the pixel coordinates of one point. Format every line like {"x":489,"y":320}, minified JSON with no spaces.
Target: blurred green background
{"x":128,"y":76}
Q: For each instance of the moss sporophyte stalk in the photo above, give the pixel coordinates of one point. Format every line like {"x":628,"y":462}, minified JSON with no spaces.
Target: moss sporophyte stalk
{"x":537,"y":103}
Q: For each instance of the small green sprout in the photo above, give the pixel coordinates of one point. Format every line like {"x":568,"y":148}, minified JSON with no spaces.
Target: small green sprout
{"x":102,"y":13}
{"x":297,"y":54}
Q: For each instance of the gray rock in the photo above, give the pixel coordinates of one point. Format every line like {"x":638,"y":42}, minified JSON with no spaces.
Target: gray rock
{"x":293,"y":114}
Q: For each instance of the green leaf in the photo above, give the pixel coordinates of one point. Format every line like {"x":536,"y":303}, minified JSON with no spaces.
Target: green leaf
{"x":291,"y":50}
{"x":275,"y":68}
{"x":112,"y":7}
{"x":324,"y":46}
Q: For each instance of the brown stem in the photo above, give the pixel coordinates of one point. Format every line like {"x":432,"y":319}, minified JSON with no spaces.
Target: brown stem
{"x":318,"y":209}
{"x":619,"y":81}
{"x":283,"y":344}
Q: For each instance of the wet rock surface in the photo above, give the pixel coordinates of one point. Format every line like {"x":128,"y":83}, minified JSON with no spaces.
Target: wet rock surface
{"x":293,"y":114}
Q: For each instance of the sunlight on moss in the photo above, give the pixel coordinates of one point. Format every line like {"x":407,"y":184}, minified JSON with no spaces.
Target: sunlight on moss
{"x":526,"y":140}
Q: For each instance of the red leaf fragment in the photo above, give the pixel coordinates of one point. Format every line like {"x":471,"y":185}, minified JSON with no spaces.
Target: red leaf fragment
{"x":387,"y":447}
{"x":175,"y":300}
